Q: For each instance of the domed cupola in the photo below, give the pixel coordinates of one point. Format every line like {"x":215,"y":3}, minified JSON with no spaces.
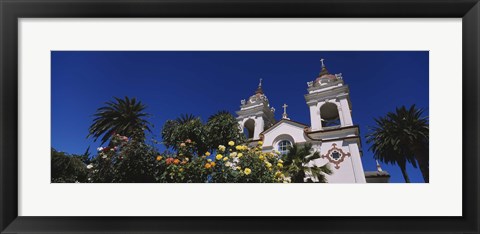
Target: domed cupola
{"x":259,"y":96}
{"x":324,"y":77}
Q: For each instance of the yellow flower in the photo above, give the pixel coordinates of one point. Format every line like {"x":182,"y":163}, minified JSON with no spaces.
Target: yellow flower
{"x":238,"y":168}
{"x":279,"y":165}
{"x":280,"y":161}
{"x":207,"y":154}
{"x":213,"y":164}
{"x":231,"y":143}
{"x":241,"y":147}
{"x":269,"y":165}
{"x":219,"y":156}
{"x":225,"y":159}
{"x":260,"y":143}
{"x":159,"y":158}
{"x":261,"y":157}
{"x":221,"y":148}
{"x":247,"y":171}
{"x":208,"y":165}
{"x":209,"y":160}
{"x":233,"y":154}
{"x":278,"y":174}
{"x":181,"y":169}
{"x":240,"y":155}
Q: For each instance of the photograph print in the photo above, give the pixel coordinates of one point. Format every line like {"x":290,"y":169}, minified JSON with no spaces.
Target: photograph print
{"x":240,"y":116}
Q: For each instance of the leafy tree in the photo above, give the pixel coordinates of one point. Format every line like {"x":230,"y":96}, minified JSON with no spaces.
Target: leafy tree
{"x":401,"y":137}
{"x":67,"y":168}
{"x":122,"y":116}
{"x":185,"y":128}
{"x":297,"y":162}
{"x":221,"y":128}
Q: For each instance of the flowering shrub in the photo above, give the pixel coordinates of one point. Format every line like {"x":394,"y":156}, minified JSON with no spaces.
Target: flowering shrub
{"x":123,"y":161}
{"x":228,"y":164}
{"x":127,"y":160}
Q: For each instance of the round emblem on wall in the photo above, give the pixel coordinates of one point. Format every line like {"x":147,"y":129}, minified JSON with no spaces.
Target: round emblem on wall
{"x":335,"y":155}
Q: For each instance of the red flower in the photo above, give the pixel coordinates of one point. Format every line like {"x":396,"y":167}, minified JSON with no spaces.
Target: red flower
{"x":169,"y":161}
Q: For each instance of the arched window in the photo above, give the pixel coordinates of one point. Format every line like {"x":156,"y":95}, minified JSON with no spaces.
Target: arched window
{"x":283,"y":146}
{"x":248,"y":128}
{"x":329,"y":115}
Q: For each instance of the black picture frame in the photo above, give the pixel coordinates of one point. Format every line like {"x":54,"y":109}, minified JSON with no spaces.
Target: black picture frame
{"x":11,"y":11}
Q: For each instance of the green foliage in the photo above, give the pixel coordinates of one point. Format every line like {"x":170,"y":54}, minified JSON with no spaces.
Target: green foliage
{"x":219,"y":129}
{"x":401,"y":137}
{"x":187,"y":127}
{"x":298,"y":168}
{"x":122,"y":116}
{"x":67,"y":168}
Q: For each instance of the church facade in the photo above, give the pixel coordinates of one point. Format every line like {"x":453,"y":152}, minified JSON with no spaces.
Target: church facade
{"x":331,"y":130}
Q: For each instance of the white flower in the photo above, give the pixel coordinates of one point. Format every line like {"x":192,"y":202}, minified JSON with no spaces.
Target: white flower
{"x":104,"y":156}
{"x":233,"y":154}
{"x":99,"y":148}
{"x":112,"y":149}
{"x":90,"y":166}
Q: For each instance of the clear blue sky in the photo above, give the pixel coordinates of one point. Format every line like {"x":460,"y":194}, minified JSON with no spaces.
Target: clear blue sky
{"x":202,"y":83}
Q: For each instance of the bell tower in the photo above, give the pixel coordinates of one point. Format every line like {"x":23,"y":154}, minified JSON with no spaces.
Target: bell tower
{"x":329,"y":101}
{"x":255,"y":114}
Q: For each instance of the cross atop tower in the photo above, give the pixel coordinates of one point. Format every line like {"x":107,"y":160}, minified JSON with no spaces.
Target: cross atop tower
{"x":321,"y":60}
{"x":259,"y":89}
{"x":285,"y":116}
{"x":324,"y":70}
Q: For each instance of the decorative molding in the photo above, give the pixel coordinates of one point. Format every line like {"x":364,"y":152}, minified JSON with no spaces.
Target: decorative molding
{"x":339,"y":156}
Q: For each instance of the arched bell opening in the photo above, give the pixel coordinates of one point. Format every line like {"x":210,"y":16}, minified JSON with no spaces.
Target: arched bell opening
{"x":329,"y":115}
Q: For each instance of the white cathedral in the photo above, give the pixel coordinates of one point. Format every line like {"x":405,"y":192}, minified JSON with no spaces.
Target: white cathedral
{"x":331,"y":131}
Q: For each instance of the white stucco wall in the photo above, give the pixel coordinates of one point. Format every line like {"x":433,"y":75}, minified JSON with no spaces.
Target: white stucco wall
{"x":350,"y":170}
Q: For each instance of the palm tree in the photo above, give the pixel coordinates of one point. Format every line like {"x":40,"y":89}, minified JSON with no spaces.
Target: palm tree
{"x":296,"y":163}
{"x":122,"y":116}
{"x":402,"y":137}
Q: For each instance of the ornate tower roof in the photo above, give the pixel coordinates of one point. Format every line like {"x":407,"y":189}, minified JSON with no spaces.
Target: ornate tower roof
{"x":258,"y":97}
{"x":324,"y":77}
